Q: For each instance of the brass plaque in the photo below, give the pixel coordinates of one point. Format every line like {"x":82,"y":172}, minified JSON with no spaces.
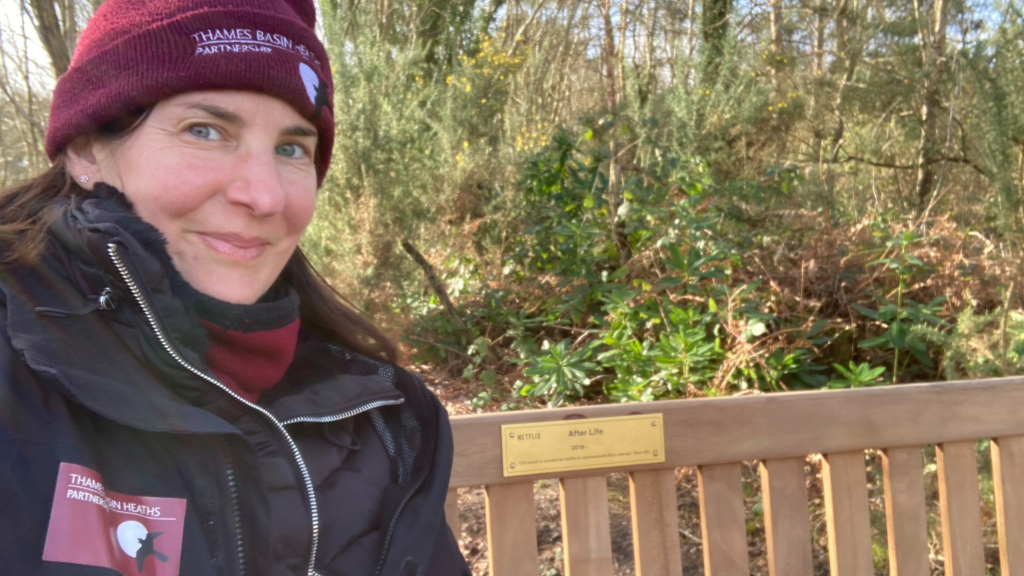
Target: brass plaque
{"x":566,"y":445}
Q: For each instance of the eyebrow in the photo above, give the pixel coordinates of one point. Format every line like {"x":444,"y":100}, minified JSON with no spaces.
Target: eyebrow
{"x":300,"y":131}
{"x":233,"y":118}
{"x":218,"y":112}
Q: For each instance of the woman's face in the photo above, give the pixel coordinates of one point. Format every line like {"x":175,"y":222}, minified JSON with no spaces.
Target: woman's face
{"x":227,"y":177}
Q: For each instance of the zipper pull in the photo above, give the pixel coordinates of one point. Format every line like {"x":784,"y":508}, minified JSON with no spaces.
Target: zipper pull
{"x":105,"y":301}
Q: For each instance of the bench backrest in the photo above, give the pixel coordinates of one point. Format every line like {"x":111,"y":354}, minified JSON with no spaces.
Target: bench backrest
{"x":779,"y":431}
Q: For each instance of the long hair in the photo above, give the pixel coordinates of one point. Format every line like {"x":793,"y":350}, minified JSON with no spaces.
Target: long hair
{"x":26,"y":212}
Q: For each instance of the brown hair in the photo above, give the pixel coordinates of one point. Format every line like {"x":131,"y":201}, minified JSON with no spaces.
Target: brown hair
{"x":26,"y":212}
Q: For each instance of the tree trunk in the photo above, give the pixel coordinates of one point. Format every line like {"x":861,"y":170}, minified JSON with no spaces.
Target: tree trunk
{"x":691,"y":39}
{"x":69,"y":25}
{"x":613,"y":195}
{"x":714,"y":32}
{"x":621,"y":52}
{"x":648,"y":85}
{"x":820,"y":22}
{"x":849,"y":59}
{"x":51,"y":35}
{"x":842,"y":11}
{"x":932,"y":40}
{"x":778,"y":46}
{"x":609,"y":55}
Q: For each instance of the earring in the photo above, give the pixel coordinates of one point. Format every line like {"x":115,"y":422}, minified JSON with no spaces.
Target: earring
{"x":84,"y":179}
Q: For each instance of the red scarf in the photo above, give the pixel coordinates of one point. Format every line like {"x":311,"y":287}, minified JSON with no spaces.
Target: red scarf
{"x":250,"y":363}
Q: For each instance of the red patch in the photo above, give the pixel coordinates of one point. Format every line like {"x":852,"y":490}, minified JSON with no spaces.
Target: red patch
{"x":131,"y":534}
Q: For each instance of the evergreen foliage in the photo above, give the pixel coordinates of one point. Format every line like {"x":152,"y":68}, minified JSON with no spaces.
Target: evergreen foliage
{"x":650,"y":198}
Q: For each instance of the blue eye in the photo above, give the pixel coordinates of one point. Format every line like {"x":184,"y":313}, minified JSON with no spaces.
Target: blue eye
{"x":204,"y":132}
{"x":291,"y":150}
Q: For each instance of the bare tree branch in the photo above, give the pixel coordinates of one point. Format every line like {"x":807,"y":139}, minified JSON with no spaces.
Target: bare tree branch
{"x":21,"y":111}
{"x":915,"y":166}
{"x":434,"y":280}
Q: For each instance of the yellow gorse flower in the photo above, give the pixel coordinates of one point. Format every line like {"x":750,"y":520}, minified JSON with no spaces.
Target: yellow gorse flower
{"x":486,"y":73}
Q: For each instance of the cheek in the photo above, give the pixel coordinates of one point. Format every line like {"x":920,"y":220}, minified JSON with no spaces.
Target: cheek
{"x":167,"y":206}
{"x":300,"y":211}
{"x":168,"y":191}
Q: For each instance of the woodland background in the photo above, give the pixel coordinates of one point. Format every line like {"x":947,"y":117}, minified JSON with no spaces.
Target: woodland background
{"x":579,"y":201}
{"x":610,"y":200}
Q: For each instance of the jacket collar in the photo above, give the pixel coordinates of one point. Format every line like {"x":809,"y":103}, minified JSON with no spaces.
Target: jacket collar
{"x":112,"y":362}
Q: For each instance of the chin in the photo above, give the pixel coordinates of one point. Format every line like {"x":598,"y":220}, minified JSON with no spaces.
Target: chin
{"x":231,"y":292}
{"x":245,"y":300}
{"x":239,"y":297}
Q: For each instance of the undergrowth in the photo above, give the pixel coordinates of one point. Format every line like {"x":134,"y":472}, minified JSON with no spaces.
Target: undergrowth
{"x":681,"y":285}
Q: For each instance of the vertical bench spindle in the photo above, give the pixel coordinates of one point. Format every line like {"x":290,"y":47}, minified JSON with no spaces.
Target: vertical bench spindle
{"x":652,"y":497}
{"x":722,"y":520}
{"x":846,"y":513}
{"x":960,"y":504}
{"x":906,"y":519}
{"x":512,"y":529}
{"x":1008,"y":473}
{"x":786,"y":517}
{"x":586,"y":528}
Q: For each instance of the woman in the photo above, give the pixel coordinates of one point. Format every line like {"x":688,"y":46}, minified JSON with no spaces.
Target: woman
{"x":180,"y":392}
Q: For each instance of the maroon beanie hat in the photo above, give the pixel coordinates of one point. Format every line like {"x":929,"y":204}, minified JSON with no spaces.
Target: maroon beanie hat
{"x":135,"y":53}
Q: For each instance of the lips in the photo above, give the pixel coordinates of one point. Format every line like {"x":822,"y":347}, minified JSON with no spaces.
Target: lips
{"x":235,"y":246}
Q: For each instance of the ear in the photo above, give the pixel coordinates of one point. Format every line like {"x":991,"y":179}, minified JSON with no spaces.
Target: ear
{"x":82,"y":164}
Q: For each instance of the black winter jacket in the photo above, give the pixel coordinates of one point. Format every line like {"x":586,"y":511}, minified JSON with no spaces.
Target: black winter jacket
{"x":120,"y":453}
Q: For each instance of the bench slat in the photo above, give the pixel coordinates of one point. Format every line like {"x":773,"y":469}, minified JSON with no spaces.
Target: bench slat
{"x":451,"y":512}
{"x":960,"y":504}
{"x":586,"y":528}
{"x":846,"y":513}
{"x":768,"y":426}
{"x":786,"y":517}
{"x":722,"y":520}
{"x":652,"y":497}
{"x":1008,"y":473}
{"x":512,"y":529}
{"x":905,"y":515}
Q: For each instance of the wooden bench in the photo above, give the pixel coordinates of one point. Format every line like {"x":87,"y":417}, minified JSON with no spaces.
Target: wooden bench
{"x":779,"y":431}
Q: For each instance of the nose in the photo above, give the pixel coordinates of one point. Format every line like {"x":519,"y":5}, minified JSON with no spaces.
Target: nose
{"x":257,"y":185}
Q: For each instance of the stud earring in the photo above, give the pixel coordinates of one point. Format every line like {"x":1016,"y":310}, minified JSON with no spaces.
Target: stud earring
{"x":84,"y":179}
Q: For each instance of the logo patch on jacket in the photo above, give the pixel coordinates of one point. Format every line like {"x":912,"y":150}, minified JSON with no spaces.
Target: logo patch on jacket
{"x":131,"y":534}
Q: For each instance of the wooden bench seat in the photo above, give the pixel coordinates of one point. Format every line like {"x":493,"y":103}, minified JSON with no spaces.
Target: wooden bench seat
{"x":779,"y":431}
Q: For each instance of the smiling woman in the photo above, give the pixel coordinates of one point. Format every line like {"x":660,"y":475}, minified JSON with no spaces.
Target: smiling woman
{"x":173,"y":370}
{"x":228,"y":178}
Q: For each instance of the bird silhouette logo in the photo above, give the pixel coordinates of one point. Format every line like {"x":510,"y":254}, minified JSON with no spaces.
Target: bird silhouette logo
{"x":315,"y":88}
{"x":137,"y":542}
{"x":321,"y":99}
{"x":146,"y":549}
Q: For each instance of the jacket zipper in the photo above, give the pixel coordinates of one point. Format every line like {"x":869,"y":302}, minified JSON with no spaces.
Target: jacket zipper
{"x":401,"y":506}
{"x":314,"y":511}
{"x":237,"y":510}
{"x":394,"y":522}
{"x":343,"y":415}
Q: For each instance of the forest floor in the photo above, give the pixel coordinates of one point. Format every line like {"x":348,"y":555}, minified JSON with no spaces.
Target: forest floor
{"x":457,"y":396}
